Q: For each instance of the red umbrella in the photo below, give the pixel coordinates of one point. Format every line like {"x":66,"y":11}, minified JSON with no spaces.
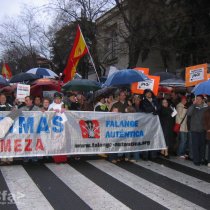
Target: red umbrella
{"x":8,"y":89}
{"x":44,"y":84}
{"x":164,"y":89}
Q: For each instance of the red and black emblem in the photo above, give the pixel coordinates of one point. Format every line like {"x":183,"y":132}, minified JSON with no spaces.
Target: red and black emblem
{"x":90,"y":128}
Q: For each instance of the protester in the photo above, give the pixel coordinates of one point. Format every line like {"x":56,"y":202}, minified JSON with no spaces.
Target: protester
{"x":167,"y":123}
{"x":38,"y":101}
{"x":45,"y":104}
{"x":181,"y":117}
{"x":110,"y":101}
{"x":101,"y":105}
{"x":57,"y":104}
{"x":122,"y":103}
{"x":58,"y":107}
{"x":72,"y":102}
{"x":132,"y":156}
{"x":206,"y":122}
{"x":196,"y":113}
{"x":136,"y":102}
{"x":29,"y":106}
{"x":114,"y":157}
{"x":149,"y":104}
{"x":4,"y":106}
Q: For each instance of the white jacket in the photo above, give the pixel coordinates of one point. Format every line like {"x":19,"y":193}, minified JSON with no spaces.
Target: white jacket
{"x":181,"y":112}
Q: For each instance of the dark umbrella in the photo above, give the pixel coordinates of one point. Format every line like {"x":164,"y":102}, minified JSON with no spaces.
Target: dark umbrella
{"x":3,"y":82}
{"x":23,"y":77}
{"x":173,"y":82}
{"x":125,"y":77}
{"x":164,"y":75}
{"x":104,"y":92}
{"x":81,"y":85}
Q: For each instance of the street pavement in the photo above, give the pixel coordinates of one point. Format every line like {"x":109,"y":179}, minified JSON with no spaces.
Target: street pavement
{"x":95,"y":183}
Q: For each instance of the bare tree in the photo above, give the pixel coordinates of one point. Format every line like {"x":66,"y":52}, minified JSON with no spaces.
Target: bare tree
{"x":24,"y":37}
{"x":85,"y":13}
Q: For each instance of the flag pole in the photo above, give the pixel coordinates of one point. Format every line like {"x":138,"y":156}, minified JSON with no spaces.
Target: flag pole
{"x":91,"y":59}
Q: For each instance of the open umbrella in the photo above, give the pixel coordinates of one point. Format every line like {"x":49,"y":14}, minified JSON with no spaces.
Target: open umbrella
{"x":3,"y":81}
{"x":44,"y":84}
{"x":104,"y":91}
{"x":174,"y":82}
{"x":125,"y":77}
{"x":8,"y":89}
{"x":23,"y":77}
{"x":164,"y":75}
{"x":43,"y":72}
{"x":202,"y":88}
{"x":81,"y":85}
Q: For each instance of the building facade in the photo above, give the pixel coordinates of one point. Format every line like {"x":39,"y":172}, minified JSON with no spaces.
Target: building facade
{"x":113,"y":50}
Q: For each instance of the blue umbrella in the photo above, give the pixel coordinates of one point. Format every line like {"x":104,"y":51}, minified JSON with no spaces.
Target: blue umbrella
{"x":43,"y":72}
{"x":3,"y":81}
{"x":202,"y":88}
{"x":125,"y":77}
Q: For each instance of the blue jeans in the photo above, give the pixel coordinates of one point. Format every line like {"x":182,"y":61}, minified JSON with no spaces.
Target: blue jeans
{"x":183,"y":141}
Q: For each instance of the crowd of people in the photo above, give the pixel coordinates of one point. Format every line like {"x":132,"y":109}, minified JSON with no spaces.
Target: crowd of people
{"x":192,"y":114}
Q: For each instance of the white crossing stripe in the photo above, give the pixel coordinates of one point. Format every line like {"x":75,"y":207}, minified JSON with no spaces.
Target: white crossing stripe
{"x":26,"y":194}
{"x":177,"y":176}
{"x":152,"y":191}
{"x":85,"y":188}
{"x":190,"y":164}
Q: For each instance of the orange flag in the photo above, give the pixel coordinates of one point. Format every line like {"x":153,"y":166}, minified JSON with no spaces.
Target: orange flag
{"x":6,"y":71}
{"x":78,"y":51}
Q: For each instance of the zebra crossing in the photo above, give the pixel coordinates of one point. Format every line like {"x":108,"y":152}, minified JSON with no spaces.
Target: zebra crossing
{"x":99,"y":184}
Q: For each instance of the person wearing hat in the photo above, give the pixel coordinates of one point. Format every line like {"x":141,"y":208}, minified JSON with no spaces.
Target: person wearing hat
{"x":57,"y":104}
{"x":72,"y":102}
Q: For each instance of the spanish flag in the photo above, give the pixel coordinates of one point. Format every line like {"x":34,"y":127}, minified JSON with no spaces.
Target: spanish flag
{"x":6,"y":71}
{"x":78,"y":51}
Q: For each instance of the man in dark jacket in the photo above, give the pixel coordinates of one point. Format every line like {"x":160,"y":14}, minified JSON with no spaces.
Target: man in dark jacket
{"x":196,"y":113}
{"x":149,"y":104}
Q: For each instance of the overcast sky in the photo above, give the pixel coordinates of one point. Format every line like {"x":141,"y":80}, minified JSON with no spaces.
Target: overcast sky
{"x":12,"y":8}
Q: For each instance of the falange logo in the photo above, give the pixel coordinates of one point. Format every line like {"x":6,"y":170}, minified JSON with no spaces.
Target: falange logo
{"x":90,"y":129}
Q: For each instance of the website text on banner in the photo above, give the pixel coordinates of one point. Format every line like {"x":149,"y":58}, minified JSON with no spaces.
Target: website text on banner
{"x":45,"y":134}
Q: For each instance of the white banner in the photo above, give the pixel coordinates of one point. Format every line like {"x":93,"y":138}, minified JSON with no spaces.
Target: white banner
{"x":46,"y":134}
